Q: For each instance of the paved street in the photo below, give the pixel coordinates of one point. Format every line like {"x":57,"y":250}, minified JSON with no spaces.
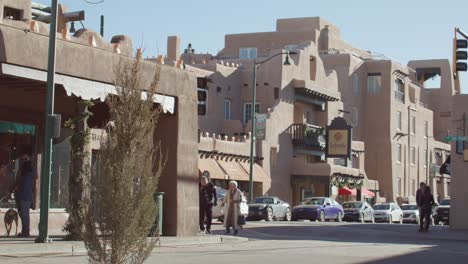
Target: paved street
{"x":306,"y":242}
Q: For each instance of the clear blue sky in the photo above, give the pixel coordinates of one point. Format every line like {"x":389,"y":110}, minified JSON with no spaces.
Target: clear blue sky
{"x":400,"y":29}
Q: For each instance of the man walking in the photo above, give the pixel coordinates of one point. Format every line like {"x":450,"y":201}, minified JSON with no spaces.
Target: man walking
{"x":424,"y":200}
{"x":208,"y":198}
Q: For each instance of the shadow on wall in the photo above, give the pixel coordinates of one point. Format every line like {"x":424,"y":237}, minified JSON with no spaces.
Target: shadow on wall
{"x":2,"y":48}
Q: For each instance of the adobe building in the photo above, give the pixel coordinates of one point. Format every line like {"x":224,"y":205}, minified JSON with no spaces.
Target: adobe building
{"x":327,"y":78}
{"x":85,"y":64}
{"x":298,"y":101}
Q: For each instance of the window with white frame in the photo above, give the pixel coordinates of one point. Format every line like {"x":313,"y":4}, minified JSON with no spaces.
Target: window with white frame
{"x":248,"y":111}
{"x":398,"y":152}
{"x":399,"y":90}
{"x":413,"y":155}
{"x":398,"y":120}
{"x":413,"y":187}
{"x":355,"y":112}
{"x":247,"y":53}
{"x":374,"y":83}
{"x":413,"y":125}
{"x":227,"y":109}
{"x":356,"y":83}
{"x":425,"y":158}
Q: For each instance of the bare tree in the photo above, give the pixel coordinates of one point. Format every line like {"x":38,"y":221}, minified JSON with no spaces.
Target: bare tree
{"x":121,"y":209}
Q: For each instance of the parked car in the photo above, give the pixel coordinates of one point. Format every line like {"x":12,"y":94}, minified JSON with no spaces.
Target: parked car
{"x":318,"y":208}
{"x":218,"y":210}
{"x":388,"y":212}
{"x":269,"y":208}
{"x":358,"y":211}
{"x":442,"y":212}
{"x":410,"y":213}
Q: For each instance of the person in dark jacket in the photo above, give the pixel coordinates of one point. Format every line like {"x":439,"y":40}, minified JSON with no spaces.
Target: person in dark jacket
{"x":23,"y":190}
{"x":426,"y":201}
{"x":208,"y":199}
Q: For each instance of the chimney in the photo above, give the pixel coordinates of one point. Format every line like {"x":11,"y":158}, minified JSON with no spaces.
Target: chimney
{"x":173,"y":48}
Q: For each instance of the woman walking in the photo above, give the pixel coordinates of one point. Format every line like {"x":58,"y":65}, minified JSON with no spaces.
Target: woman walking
{"x":427,"y":201}
{"x":232,"y":211}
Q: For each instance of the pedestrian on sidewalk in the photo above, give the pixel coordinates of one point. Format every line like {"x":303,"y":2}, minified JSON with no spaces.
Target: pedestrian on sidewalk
{"x":208,"y":199}
{"x":232,"y":210}
{"x":426,"y":201}
{"x":23,"y":189}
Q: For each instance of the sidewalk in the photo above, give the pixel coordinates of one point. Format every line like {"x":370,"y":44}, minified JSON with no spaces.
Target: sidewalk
{"x":15,"y":247}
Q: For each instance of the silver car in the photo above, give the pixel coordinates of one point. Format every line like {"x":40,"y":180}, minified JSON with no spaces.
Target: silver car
{"x":410,"y":213}
{"x":218,"y":210}
{"x":388,"y":212}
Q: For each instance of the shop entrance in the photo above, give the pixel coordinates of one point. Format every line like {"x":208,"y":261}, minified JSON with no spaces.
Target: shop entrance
{"x":15,"y":138}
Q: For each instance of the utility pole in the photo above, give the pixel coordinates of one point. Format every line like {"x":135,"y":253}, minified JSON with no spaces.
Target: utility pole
{"x":47,"y":155}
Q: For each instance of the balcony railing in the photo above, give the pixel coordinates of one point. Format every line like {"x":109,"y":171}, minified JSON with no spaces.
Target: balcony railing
{"x":307,"y":136}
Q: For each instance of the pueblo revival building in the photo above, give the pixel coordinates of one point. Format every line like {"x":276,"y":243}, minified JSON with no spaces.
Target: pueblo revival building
{"x":85,"y":63}
{"x":398,"y":124}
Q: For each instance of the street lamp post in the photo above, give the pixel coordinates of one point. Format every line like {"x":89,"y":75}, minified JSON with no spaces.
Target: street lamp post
{"x":47,"y":156}
{"x":252,"y":116}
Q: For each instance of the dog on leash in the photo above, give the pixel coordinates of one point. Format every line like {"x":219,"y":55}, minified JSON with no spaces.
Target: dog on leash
{"x":11,"y":216}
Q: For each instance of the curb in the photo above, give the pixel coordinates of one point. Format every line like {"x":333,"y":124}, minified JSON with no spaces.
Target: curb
{"x":15,"y":249}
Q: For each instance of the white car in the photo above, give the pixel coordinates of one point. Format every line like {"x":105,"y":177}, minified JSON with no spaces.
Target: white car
{"x":388,"y":212}
{"x":218,"y":210}
{"x":410,"y":213}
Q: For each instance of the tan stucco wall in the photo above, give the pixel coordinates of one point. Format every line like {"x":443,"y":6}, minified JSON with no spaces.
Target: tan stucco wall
{"x":459,"y":195}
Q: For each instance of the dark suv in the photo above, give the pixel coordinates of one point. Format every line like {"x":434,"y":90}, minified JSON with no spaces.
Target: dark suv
{"x":442,"y":212}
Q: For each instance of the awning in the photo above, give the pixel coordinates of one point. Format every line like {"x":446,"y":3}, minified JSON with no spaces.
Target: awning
{"x":231,"y":170}
{"x":347,"y":191}
{"x":210,"y":165}
{"x":85,"y":89}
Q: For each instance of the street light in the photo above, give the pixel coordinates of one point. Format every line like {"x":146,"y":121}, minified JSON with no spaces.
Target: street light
{"x":252,"y":117}
{"x":47,"y":157}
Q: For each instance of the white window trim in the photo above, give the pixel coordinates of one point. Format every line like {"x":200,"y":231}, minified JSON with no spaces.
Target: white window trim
{"x":206,"y":102}
{"x":399,"y":153}
{"x":412,"y":160}
{"x":244,"y":110}
{"x":413,"y":125}
{"x":229,"y":109}
{"x":399,"y":120}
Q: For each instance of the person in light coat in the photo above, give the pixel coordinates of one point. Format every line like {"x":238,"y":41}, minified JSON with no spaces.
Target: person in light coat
{"x":232,"y":202}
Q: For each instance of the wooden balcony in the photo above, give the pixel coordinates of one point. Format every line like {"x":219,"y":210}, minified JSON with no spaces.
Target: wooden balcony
{"x":307,"y":137}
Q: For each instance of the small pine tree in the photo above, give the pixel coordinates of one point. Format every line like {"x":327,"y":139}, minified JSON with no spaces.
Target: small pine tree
{"x":121,"y":209}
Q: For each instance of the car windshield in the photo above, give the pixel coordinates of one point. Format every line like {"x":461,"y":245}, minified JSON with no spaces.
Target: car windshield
{"x":220,"y":192}
{"x":445,"y":202}
{"x":382,"y":207}
{"x":264,"y":200}
{"x":352,"y":205}
{"x":409,"y":207}
{"x":314,"y":201}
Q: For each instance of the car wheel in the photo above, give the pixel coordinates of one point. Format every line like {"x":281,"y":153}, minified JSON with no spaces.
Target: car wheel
{"x":339,"y":217}
{"x":390,"y":220}
{"x":287,"y":216}
{"x":362,"y":218}
{"x":322,"y":216}
{"x":372,"y":219}
{"x":269,"y":215}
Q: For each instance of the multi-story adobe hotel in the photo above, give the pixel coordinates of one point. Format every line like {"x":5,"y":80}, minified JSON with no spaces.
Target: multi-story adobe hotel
{"x":398,"y":125}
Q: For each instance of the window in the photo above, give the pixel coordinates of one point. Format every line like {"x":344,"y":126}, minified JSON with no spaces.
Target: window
{"x":425,"y":158}
{"x":313,"y":67}
{"x":413,"y":125}
{"x":398,"y":120}
{"x":399,"y":187}
{"x":374,"y":83}
{"x":413,"y":187}
{"x":413,"y":156}
{"x":355,"y":117}
{"x":202,"y":91}
{"x":276,"y":93}
{"x":247,"y":53}
{"x":398,"y":153}
{"x":12,"y":13}
{"x":426,"y":129}
{"x":248,"y":111}
{"x":356,"y":83}
{"x":227,"y":109}
{"x":399,"y":90}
